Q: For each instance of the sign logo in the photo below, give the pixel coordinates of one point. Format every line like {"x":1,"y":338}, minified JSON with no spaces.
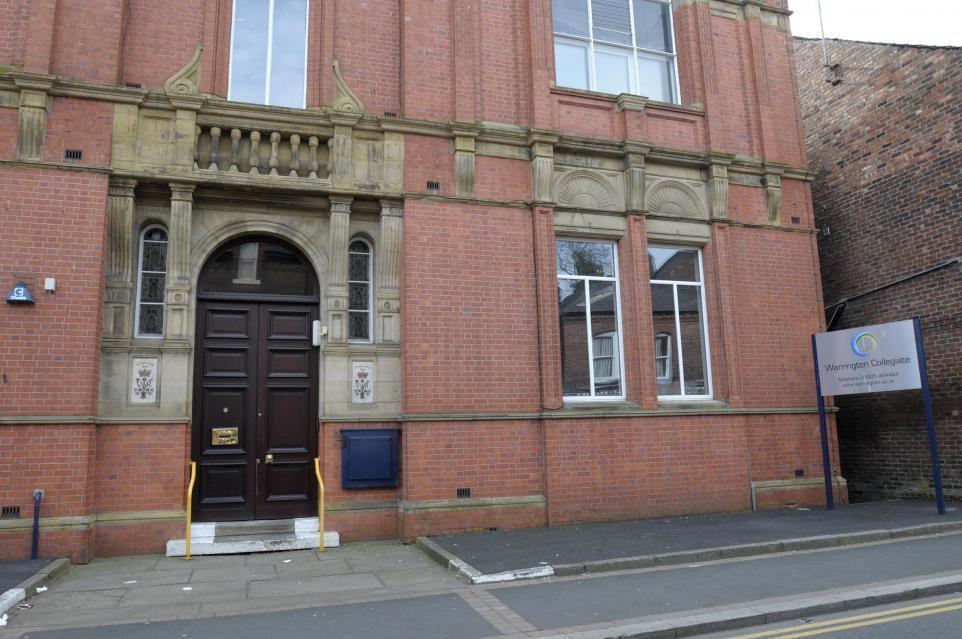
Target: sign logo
{"x":20,"y":295}
{"x":864,"y":343}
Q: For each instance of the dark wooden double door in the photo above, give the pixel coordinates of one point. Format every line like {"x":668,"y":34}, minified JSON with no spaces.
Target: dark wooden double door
{"x":256,"y":371}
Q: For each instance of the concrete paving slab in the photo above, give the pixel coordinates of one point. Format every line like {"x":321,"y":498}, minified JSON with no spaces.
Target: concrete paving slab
{"x":199,"y":562}
{"x":298,"y":586}
{"x":436,"y":617}
{"x":58,"y":602}
{"x":244,"y":573}
{"x":125,"y":580}
{"x":28,"y":623}
{"x":618,"y":545}
{"x":275,"y":558}
{"x":175,"y":594}
{"x":313,"y":566}
{"x":406,"y":577}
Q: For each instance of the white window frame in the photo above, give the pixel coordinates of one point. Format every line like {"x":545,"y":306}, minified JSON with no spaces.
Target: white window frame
{"x":370,"y":290}
{"x":666,"y":340}
{"x":270,"y":51}
{"x":634,"y":89}
{"x":140,"y":274}
{"x":615,"y":361}
{"x":591,"y":354}
{"x":700,"y":284}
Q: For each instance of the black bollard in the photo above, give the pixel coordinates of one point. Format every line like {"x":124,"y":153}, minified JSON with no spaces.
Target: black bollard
{"x":35,"y":545}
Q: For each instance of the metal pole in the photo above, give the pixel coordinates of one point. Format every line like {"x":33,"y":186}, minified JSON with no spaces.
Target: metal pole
{"x":823,"y":430}
{"x":35,"y":543}
{"x":929,"y":419}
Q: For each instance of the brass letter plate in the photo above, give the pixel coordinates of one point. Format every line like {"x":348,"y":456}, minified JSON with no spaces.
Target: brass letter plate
{"x":223,"y":436}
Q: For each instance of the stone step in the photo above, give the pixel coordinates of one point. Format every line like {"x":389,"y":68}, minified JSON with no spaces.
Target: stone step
{"x":209,"y":538}
{"x":256,"y":527}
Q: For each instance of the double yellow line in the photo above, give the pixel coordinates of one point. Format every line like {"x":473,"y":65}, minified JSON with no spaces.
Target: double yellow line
{"x":860,"y":621}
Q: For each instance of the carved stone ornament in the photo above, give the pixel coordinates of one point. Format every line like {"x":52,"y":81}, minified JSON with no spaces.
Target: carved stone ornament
{"x":673,"y":199}
{"x":187,"y":80}
{"x":585,"y":190}
{"x":345,"y":101}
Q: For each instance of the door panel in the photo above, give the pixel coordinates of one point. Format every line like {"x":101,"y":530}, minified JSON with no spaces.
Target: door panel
{"x":256,"y":372}
{"x":287,"y":408}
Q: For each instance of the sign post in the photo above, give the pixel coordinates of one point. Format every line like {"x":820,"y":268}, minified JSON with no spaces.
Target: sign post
{"x":873,"y":359}
{"x":929,"y":419}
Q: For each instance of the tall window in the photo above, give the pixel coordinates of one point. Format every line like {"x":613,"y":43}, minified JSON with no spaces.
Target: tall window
{"x":268,"y":54}
{"x":616,"y":46}
{"x":591,"y":349}
{"x":151,"y":282}
{"x":678,"y":314}
{"x":359,"y":291}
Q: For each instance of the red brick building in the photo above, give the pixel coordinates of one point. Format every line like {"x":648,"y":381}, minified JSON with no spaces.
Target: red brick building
{"x":883,"y":126}
{"x":275,"y":226}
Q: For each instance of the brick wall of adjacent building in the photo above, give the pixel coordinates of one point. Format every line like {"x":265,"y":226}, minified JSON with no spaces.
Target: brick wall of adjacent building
{"x":886,"y":138}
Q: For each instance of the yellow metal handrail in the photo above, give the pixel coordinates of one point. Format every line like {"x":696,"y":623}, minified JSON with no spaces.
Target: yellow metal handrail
{"x":320,"y":502}
{"x":190,"y":501}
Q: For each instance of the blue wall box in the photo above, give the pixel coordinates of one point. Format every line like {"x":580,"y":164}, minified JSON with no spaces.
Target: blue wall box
{"x":369,"y":458}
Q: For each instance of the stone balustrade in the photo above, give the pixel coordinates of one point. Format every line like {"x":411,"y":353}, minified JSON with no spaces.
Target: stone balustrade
{"x":261,"y":152}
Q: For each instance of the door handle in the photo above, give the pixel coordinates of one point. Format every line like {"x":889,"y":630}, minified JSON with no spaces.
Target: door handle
{"x":268,"y":459}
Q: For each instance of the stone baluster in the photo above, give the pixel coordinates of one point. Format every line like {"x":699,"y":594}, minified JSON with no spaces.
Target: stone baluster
{"x":235,"y":136}
{"x":295,"y":158}
{"x":312,"y":142}
{"x":197,"y":132}
{"x":255,"y":153}
{"x":274,"y":162}
{"x":214,"y":148}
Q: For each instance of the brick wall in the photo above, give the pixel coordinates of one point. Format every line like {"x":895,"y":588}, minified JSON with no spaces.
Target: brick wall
{"x":887,"y":144}
{"x":50,"y":352}
{"x":469,"y":326}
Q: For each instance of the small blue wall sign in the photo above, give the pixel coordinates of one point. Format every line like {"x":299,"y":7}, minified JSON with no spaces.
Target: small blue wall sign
{"x":20,"y":295}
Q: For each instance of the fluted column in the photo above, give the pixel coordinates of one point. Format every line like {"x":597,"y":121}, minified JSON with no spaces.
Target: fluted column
{"x":388,"y":262}
{"x":178,"y":264}
{"x":121,"y":252}
{"x":339,"y":235}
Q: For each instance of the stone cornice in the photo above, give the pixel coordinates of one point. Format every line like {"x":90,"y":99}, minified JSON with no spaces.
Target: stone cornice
{"x":217,"y":111}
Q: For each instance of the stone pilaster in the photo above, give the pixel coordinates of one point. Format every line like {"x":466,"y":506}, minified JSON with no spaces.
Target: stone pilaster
{"x":542,"y":165}
{"x":178,"y":260}
{"x":464,"y":162}
{"x":32,"y":126}
{"x":773,"y":195}
{"x":718,"y":186}
{"x":388,"y":263}
{"x":546,"y":273}
{"x":635,"y":178}
{"x":342,"y":149}
{"x":339,"y":235}
{"x":121,"y":257}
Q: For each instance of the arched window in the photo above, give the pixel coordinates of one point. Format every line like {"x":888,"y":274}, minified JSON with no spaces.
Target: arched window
{"x":360,"y":260}
{"x":151,"y":282}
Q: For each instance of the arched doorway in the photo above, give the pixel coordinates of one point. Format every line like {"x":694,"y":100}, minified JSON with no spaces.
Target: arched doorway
{"x":255,"y":383}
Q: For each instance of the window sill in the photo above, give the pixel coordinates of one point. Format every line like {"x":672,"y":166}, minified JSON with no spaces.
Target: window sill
{"x":627,"y":101}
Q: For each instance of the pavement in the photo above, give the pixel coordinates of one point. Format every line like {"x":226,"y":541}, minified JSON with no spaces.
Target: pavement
{"x":391,"y":590}
{"x":485,"y":557}
{"x":22,"y":579}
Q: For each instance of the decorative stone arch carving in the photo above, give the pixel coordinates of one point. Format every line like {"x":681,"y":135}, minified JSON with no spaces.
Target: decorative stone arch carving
{"x":345,"y":100}
{"x":675,"y":199}
{"x":586,"y":190}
